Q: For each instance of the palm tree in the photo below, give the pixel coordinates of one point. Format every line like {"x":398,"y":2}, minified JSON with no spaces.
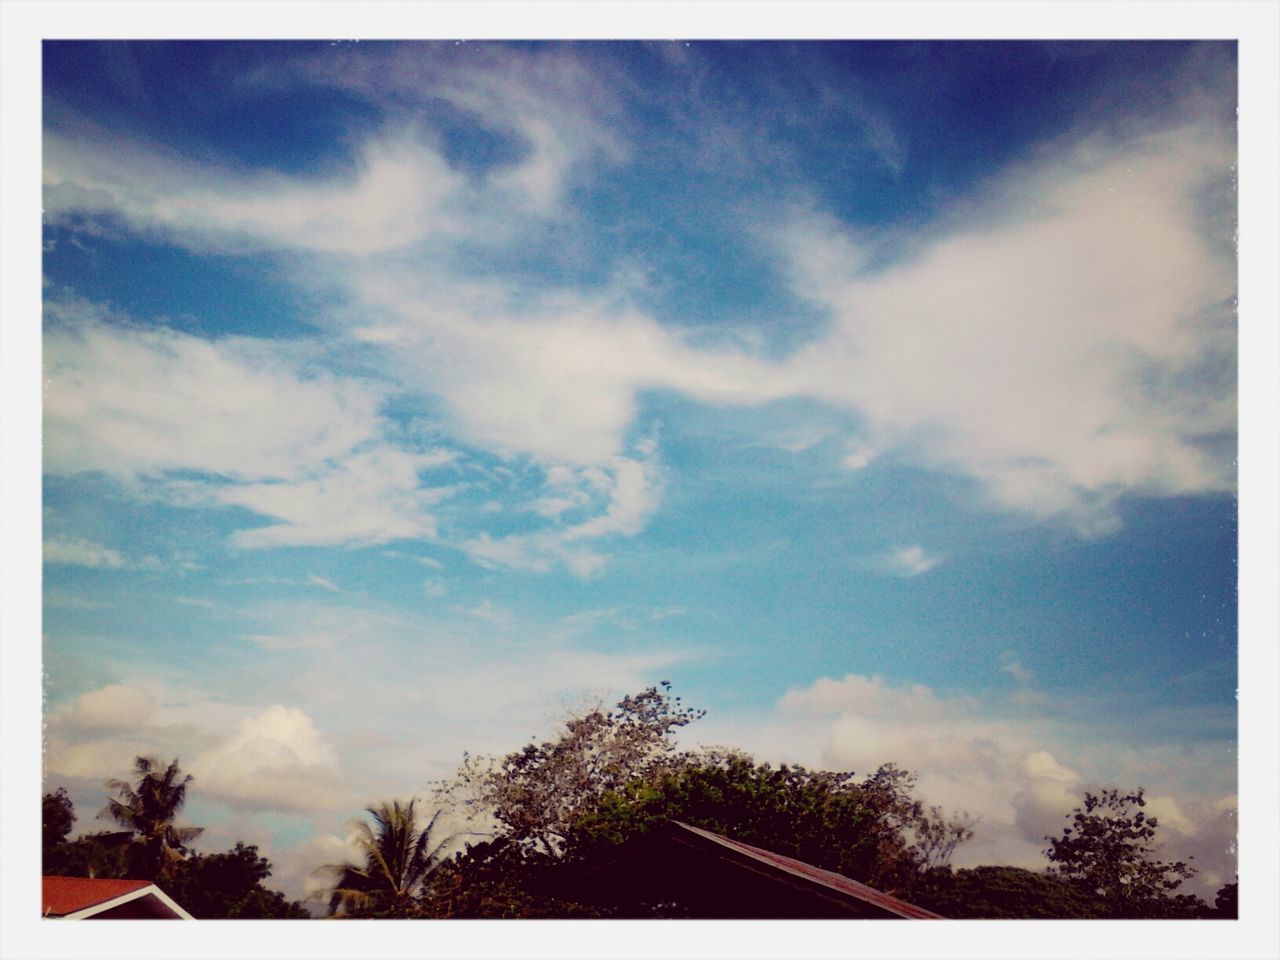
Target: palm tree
{"x":147,"y":809}
{"x":396,"y":863}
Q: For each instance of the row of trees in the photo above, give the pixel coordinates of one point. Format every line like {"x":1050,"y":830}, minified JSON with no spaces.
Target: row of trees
{"x":151,"y":846}
{"x":612,"y":776}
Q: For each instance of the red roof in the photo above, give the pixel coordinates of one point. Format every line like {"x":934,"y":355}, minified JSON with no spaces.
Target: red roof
{"x":826,"y":878}
{"x":64,"y":895}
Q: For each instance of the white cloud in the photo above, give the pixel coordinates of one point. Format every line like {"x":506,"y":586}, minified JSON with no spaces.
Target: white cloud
{"x":400,"y":193}
{"x":276,"y":760}
{"x":82,"y":553}
{"x":550,"y":103}
{"x":370,"y":497}
{"x":909,"y":561}
{"x":1013,"y":766}
{"x":132,"y":402}
{"x":302,"y":447}
{"x":323,"y":583}
{"x":112,"y":708}
{"x":630,"y":489}
{"x":1067,"y":342}
{"x":553,"y":377}
{"x":1010,"y":664}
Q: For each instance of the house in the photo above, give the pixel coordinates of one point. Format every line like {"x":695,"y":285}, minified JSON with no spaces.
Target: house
{"x":681,"y":871}
{"x":85,"y":898}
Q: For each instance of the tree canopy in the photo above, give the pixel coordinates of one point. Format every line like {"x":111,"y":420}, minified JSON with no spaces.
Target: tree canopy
{"x":1109,"y":851}
{"x":147,"y":808}
{"x":538,"y":792}
{"x":398,"y":855}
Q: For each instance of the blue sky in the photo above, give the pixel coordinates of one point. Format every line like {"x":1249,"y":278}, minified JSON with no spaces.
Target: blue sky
{"x":400,"y":397}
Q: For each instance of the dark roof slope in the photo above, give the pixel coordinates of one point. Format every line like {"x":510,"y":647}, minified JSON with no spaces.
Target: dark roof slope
{"x":816,"y":875}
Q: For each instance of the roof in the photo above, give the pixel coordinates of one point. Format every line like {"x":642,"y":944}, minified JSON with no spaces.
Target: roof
{"x":827,"y":879}
{"x":78,"y":898}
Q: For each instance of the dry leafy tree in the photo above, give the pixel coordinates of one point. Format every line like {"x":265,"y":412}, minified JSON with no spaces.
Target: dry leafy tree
{"x":398,"y":857}
{"x":611,"y":775}
{"x":937,"y":836}
{"x":536,"y":794}
{"x":1110,"y":852}
{"x":147,"y":808}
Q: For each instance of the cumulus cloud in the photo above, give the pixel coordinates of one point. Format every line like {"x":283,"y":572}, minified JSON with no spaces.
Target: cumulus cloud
{"x":276,"y":760}
{"x":1015,"y":767}
{"x":112,"y":708}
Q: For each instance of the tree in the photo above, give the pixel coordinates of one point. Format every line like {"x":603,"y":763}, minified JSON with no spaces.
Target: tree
{"x":396,"y":862}
{"x":147,"y":809}
{"x":535,"y":794}
{"x":937,"y":836}
{"x":1227,"y":902}
{"x":91,"y":855}
{"x":228,"y":886}
{"x":58,"y":816}
{"x":1110,"y":852}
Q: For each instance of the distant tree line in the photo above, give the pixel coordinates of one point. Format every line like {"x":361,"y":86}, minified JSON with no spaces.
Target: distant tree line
{"x":551,"y":808}
{"x":613,"y":775}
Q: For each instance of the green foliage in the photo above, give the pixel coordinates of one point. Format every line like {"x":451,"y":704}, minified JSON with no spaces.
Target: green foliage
{"x":868,"y":829}
{"x":58,"y":816}
{"x":1109,"y":852}
{"x":228,"y":886}
{"x":397,"y":859}
{"x":103,"y":855}
{"x":1004,"y":893}
{"x":147,"y":809}
{"x":218,"y":886}
{"x":500,"y":880}
{"x":614,"y":775}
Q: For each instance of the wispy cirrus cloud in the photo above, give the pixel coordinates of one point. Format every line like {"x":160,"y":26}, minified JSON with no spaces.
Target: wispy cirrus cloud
{"x":627,"y":492}
{"x":256,"y":425}
{"x":76,"y":551}
{"x":1064,"y":340}
{"x":401,"y":193}
{"x":236,"y":408}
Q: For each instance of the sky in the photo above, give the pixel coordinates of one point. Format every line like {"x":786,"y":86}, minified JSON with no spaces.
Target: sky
{"x":402,"y":398}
